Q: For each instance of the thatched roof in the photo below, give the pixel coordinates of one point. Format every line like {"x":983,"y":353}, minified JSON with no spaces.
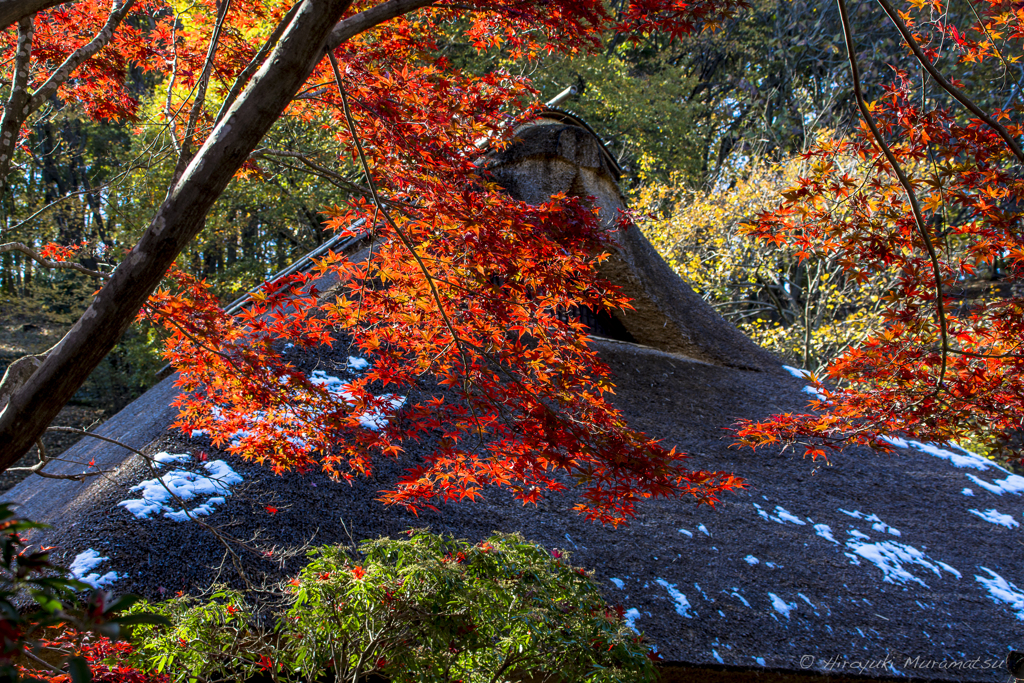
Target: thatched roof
{"x":884,"y":563}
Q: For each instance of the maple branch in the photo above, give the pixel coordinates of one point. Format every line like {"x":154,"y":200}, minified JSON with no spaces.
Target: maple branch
{"x":905,"y":182}
{"x":243,"y":77}
{"x":14,"y":11}
{"x":322,"y":171}
{"x":179,"y":218}
{"x":200,"y":98}
{"x":199,"y":344}
{"x":401,"y":235}
{"x":367,"y":19}
{"x":20,"y":104}
{"x":955,"y":92}
{"x":76,"y":58}
{"x":47,"y":263}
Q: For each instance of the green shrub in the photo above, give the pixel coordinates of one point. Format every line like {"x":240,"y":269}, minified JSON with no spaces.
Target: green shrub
{"x":426,"y":609}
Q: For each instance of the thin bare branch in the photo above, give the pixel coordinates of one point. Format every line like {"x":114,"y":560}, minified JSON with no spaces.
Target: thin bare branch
{"x":243,"y":78}
{"x":204,"y":81}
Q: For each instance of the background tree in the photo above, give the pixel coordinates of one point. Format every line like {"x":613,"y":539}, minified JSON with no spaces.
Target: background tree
{"x":804,"y":307}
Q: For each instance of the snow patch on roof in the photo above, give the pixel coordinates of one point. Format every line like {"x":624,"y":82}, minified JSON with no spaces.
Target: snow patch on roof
{"x":995,"y":517}
{"x":797,"y":372}
{"x":85,"y":562}
{"x":781,"y":515}
{"x":1012,"y":483}
{"x":876,"y":523}
{"x":960,"y":458}
{"x":786,"y":516}
{"x":703,"y":529}
{"x":891,"y":557}
{"x":736,"y":594}
{"x":751,"y":560}
{"x":618,"y":583}
{"x":182,"y":485}
{"x":374,"y":419}
{"x":825,"y":532}
{"x":781,"y":606}
{"x":630,"y":617}
{"x":682,"y":604}
{"x":1001,"y":590}
{"x":967,"y":491}
{"x":163,"y":457}
{"x":356,"y":363}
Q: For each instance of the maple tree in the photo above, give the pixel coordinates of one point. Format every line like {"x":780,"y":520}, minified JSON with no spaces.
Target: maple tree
{"x":464,"y":284}
{"x":935,"y":197}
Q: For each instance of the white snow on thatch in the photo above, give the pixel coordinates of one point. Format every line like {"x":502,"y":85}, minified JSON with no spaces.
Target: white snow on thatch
{"x":782,"y":516}
{"x":961,"y":457}
{"x":374,"y":419}
{"x":1012,"y":483}
{"x":1001,"y":590}
{"x":876,"y":524}
{"x":163,"y":458}
{"x":178,"y":486}
{"x":736,"y":594}
{"x":781,"y":606}
{"x":825,"y":532}
{"x":83,"y":564}
{"x":682,"y":604}
{"x":893,"y":558}
{"x":995,"y":517}
{"x":630,"y":617}
{"x":356,"y":364}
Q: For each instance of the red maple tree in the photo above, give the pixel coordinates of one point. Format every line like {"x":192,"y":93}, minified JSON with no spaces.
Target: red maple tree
{"x":463,"y":284}
{"x":941,"y":199}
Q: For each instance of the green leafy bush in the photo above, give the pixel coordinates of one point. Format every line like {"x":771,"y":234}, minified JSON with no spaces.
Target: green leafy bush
{"x":426,"y":609}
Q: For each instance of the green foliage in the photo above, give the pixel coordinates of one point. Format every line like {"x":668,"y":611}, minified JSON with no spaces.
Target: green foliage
{"x":429,"y":608}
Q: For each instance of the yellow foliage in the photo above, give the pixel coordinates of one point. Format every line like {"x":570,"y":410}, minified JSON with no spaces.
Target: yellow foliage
{"x":806,"y":311}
